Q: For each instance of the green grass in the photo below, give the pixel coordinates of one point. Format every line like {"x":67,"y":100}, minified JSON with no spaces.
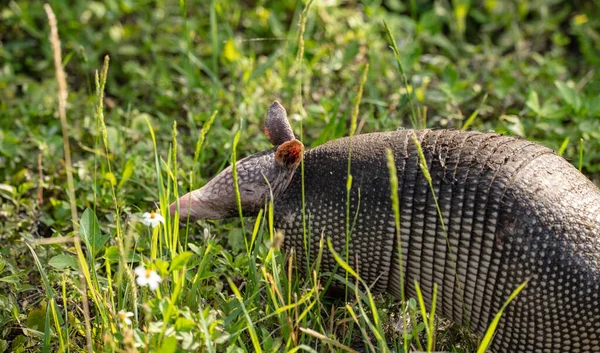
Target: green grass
{"x":184,"y":79}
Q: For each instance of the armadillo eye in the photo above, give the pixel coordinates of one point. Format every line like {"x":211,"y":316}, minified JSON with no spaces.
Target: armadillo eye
{"x":248,"y":191}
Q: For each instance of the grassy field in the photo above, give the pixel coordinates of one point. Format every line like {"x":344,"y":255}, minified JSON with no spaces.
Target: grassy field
{"x":159,"y":119}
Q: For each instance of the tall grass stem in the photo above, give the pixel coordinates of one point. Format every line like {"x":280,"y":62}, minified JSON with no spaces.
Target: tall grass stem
{"x":62,"y":111}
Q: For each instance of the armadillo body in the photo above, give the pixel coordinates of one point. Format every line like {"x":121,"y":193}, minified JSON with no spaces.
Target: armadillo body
{"x":512,"y":211}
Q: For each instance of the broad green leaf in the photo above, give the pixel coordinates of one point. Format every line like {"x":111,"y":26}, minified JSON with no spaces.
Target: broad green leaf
{"x":63,"y":261}
{"x":13,"y":279}
{"x":569,"y":95}
{"x":551,"y":110}
{"x":162,"y":266}
{"x":195,"y":248}
{"x":593,"y":107}
{"x":169,"y":345}
{"x":111,"y":254}
{"x":180,"y":260}
{"x":36,"y":318}
{"x":183,"y":324}
{"x":8,"y":189}
{"x":3,"y":346}
{"x":90,"y":232}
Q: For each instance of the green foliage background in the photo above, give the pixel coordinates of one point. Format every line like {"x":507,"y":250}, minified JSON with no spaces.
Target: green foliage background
{"x":525,"y":68}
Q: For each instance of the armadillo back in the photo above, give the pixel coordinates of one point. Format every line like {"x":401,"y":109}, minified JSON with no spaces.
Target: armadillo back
{"x":512,"y":211}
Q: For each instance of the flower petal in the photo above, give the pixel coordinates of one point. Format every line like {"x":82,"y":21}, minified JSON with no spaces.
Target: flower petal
{"x":154,"y":277}
{"x":140,"y":271}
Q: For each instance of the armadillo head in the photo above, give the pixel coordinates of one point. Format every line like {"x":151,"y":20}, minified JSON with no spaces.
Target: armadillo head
{"x":258,"y":175}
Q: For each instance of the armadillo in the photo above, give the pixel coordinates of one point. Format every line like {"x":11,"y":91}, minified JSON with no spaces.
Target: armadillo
{"x":512,"y":211}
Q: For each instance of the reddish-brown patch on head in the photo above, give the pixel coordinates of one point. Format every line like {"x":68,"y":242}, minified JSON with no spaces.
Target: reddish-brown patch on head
{"x":289,"y":154}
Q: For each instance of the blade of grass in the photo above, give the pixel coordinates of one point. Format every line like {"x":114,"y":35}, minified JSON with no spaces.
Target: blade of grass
{"x":66,"y":309}
{"x":353,"y":119}
{"x":51,"y":303}
{"x":391,"y":164}
{"x":250,"y":323}
{"x":474,"y":114}
{"x":326,"y":339}
{"x":428,"y":325}
{"x":409,"y":93}
{"x":299,"y":108}
{"x":563,"y":146}
{"x":46,"y":344}
{"x":361,"y":328}
{"x":427,"y":175}
{"x":173,"y":173}
{"x":214,"y":39}
{"x":236,"y":186}
{"x":303,"y":347}
{"x":489,"y":334}
{"x":205,"y":129}
{"x":376,"y":329}
{"x":580,"y":154}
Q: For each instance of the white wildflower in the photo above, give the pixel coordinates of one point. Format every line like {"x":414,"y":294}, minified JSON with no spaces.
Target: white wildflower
{"x":124,"y":317}
{"x":152,"y":219}
{"x":147,"y":277}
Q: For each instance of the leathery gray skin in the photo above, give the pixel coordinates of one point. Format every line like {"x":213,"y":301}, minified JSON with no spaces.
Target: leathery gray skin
{"x":512,"y":209}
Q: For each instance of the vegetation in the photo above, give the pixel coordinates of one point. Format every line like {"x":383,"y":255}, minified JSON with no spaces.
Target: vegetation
{"x":188,"y":84}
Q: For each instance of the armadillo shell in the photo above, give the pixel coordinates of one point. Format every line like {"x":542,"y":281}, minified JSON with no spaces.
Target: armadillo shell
{"x":512,"y":209}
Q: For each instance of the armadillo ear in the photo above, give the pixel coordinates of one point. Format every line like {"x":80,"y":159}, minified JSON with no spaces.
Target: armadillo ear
{"x":289,"y":154}
{"x":277,"y":127}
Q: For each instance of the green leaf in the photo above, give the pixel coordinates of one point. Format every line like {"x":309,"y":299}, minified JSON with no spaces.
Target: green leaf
{"x":7,"y":189}
{"x":169,"y":345}
{"x":12,"y":279}
{"x":36,"y":318}
{"x":111,"y":254}
{"x":110,"y":177}
{"x":127,"y":173}
{"x":569,"y":95}
{"x":3,"y":346}
{"x":195,"y":248}
{"x":183,"y":324}
{"x":180,"y":261}
{"x":63,"y":261}
{"x":162,"y":266}
{"x":90,"y":232}
{"x":593,"y":107}
{"x":533,"y":102}
{"x":551,"y":110}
